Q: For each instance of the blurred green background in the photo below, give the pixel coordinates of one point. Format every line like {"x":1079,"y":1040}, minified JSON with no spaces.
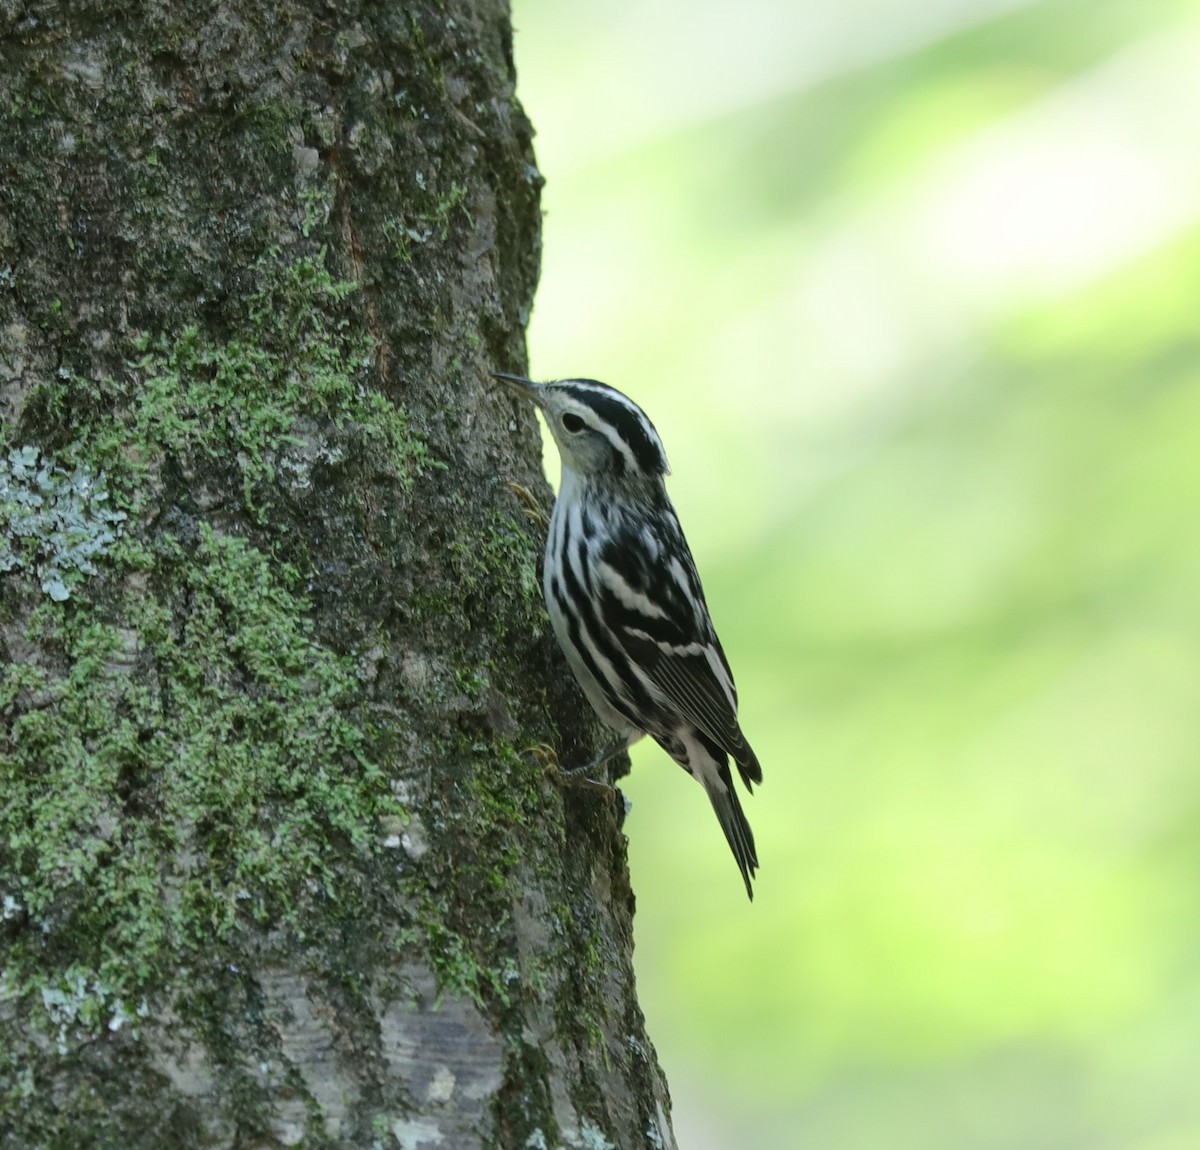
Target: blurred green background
{"x":912,"y":292}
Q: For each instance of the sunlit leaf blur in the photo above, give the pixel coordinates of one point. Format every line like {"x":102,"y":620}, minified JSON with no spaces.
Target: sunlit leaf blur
{"x":912,"y":292}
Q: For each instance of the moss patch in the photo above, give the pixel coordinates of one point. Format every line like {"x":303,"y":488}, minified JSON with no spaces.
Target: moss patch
{"x":293,"y":353}
{"x":191,"y":773}
{"x":497,"y":811}
{"x":168,"y":785}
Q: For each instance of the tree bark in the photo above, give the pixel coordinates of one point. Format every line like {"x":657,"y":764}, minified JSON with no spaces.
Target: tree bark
{"x":275,"y":866}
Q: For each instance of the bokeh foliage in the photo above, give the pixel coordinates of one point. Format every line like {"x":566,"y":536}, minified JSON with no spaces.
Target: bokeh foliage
{"x":914,"y":308}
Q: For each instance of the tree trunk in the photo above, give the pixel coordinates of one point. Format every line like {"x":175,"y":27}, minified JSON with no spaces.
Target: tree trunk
{"x":275,"y":864}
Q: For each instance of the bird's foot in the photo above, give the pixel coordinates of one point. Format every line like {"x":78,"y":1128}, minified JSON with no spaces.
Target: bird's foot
{"x":531,"y":508}
{"x":547,"y":758}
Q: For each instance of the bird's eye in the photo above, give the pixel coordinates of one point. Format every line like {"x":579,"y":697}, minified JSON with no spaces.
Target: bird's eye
{"x":572,"y":423}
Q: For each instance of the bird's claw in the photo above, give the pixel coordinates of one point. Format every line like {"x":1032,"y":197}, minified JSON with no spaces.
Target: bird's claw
{"x":547,"y":758}
{"x":531,"y":508}
{"x":544,"y":755}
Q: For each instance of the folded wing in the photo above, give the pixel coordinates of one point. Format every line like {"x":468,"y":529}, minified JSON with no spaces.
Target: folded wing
{"x":652,"y":602}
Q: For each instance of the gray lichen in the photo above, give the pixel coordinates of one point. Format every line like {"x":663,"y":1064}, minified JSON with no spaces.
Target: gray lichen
{"x":53,"y":522}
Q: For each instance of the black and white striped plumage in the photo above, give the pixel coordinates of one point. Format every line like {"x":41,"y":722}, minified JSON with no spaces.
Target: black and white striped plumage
{"x":625,"y":601}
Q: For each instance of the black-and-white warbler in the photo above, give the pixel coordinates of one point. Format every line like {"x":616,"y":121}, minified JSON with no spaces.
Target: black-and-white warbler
{"x":625,"y":601}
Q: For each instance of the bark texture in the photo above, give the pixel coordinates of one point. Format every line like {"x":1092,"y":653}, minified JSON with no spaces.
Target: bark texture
{"x":274,"y":868}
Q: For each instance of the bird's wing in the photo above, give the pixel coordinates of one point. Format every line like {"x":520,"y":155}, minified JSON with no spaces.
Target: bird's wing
{"x":651,"y":600}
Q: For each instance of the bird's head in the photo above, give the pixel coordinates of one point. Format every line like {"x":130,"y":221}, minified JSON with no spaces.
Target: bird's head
{"x":601,"y":434}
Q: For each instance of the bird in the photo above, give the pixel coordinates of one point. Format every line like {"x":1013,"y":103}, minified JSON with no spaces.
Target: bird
{"x":625,"y":600}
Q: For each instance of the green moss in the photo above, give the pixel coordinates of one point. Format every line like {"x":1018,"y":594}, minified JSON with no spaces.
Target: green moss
{"x":495,"y":815}
{"x":441,"y":213}
{"x":148,"y":817}
{"x":293,"y":352}
{"x":498,"y":554}
{"x":494,"y":587}
{"x":213,"y":716}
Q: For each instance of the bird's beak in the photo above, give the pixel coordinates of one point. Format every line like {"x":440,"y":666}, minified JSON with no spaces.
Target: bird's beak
{"x":525,"y":388}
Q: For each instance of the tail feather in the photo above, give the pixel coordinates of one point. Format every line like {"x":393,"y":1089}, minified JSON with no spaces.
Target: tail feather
{"x":738,"y":834}
{"x":707,"y":762}
{"x":747,"y":765}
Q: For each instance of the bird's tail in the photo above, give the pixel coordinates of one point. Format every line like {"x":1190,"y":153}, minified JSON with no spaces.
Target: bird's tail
{"x":738,"y":834}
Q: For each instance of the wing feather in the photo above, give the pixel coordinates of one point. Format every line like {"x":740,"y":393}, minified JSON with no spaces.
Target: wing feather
{"x":656,"y":611}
